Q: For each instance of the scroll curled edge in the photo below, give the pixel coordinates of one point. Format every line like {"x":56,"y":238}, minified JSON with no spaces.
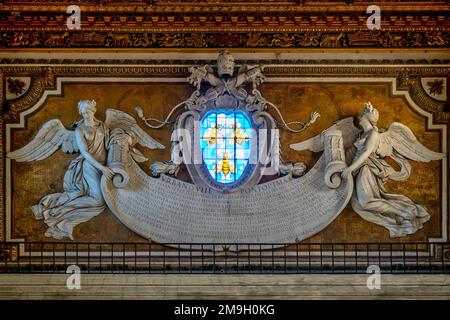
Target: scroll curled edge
{"x":282,"y":211}
{"x":334,"y":154}
{"x":118,"y":157}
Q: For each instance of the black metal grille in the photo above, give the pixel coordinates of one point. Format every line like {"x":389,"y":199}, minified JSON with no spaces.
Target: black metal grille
{"x":300,"y":258}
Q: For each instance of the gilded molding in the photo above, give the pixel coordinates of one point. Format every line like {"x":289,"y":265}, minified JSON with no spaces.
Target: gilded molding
{"x":220,"y":6}
{"x":419,"y":95}
{"x":45,"y":80}
{"x":220,"y":24}
{"x":407,"y":38}
{"x":179,"y":70}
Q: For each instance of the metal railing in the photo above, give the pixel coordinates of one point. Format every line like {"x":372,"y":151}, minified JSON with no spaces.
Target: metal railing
{"x":149,"y":258}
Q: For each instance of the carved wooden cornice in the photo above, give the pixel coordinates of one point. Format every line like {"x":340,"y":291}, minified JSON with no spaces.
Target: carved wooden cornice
{"x":216,"y":24}
{"x":313,"y":39}
{"x":237,"y":5}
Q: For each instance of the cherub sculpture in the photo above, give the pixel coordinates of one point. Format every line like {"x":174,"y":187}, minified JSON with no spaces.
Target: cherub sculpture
{"x":366,"y":149}
{"x":82,"y":197}
{"x":226,"y":80}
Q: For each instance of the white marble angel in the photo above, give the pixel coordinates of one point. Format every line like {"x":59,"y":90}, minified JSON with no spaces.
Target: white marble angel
{"x":366,"y":149}
{"x":82,"y":197}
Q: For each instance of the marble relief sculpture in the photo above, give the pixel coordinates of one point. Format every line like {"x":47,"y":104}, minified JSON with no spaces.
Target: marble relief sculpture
{"x":82,"y":197}
{"x":366,"y":150}
{"x":399,"y":214}
{"x":227,"y":138}
{"x":222,"y":90}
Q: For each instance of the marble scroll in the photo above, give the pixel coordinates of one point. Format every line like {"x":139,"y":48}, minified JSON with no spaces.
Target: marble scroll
{"x":282,"y":211}
{"x":334,"y":154}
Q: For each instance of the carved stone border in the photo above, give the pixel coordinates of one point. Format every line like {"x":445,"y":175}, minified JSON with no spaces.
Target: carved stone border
{"x":420,"y":97}
{"x":45,"y":73}
{"x":43,"y":77}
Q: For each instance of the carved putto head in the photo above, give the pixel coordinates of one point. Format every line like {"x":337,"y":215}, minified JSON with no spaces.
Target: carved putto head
{"x":371,"y":113}
{"x":87,"y":105}
{"x":225,"y":64}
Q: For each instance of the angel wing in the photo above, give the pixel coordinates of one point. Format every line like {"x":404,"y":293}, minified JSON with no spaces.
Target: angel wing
{"x":401,"y":139}
{"x":314,"y":144}
{"x":119,"y":119}
{"x":52,"y":136}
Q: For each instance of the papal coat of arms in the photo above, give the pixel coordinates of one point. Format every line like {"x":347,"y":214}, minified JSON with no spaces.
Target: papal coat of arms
{"x":227,"y":137}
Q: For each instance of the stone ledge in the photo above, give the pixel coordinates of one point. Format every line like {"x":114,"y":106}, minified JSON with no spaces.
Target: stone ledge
{"x":119,"y":286}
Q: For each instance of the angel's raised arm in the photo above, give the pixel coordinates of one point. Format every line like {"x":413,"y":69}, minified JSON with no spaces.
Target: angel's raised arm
{"x":369,"y":147}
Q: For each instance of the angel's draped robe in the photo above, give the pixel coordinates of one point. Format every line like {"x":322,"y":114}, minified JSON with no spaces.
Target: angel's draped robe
{"x":399,"y":214}
{"x":82,"y":198}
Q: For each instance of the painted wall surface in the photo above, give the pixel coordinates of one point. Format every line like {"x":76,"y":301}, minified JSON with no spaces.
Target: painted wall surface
{"x":31,"y":181}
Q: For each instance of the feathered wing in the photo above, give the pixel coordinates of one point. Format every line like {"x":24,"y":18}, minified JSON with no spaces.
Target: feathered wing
{"x":314,"y":144}
{"x":400,"y":144}
{"x":119,"y":119}
{"x":399,"y":138}
{"x":52,"y":136}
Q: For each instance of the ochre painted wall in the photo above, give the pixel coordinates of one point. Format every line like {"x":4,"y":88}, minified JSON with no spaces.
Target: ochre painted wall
{"x":333,"y":101}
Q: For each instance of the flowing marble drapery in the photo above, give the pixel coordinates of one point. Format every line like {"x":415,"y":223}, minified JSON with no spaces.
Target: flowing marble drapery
{"x":396,"y":212}
{"x":82,"y":198}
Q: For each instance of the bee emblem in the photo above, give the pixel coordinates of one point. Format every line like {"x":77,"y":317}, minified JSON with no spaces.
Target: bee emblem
{"x":225,"y":166}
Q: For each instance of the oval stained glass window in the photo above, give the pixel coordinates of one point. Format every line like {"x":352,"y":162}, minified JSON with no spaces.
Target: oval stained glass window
{"x":226,"y":143}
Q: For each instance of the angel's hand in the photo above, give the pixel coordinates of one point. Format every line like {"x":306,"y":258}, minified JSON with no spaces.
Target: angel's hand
{"x":346,"y":172}
{"x":255,"y":75}
{"x":255,"y":72}
{"x":197,"y":75}
{"x":108,"y":172}
{"x":259,"y":80}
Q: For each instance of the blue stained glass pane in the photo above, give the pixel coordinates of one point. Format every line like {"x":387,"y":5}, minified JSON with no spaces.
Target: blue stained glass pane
{"x":240,"y":119}
{"x":221,"y":140}
{"x":204,"y":143}
{"x":230,"y":154}
{"x":210,"y":164}
{"x":242,"y":154}
{"x":240,"y":165}
{"x":229,"y":141}
{"x":226,"y":142}
{"x":209,"y":153}
{"x":221,"y":120}
{"x":220,"y":153}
